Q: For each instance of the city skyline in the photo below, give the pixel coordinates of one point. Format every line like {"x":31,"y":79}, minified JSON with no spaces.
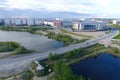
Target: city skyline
{"x":59,"y":8}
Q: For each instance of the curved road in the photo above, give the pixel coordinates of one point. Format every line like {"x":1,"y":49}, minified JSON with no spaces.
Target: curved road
{"x":16,"y":64}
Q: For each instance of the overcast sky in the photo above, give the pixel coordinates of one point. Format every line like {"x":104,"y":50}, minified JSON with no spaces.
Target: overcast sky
{"x":42,"y":8}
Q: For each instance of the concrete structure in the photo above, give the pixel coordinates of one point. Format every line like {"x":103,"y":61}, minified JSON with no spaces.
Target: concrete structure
{"x":90,"y":26}
{"x":48,"y":23}
{"x":57,"y":23}
{"x":67,"y":23}
{"x":20,"y":22}
{"x":76,"y":25}
{"x":54,"y":23}
{"x":39,"y":67}
{"x":116,"y":22}
{"x":2,"y":22}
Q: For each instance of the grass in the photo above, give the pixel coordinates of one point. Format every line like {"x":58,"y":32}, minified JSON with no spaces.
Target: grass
{"x":118,"y":27}
{"x":114,"y":50}
{"x":94,"y":54}
{"x":11,"y":76}
{"x":8,"y":46}
{"x":107,"y":32}
{"x":30,"y":29}
{"x":69,"y":32}
{"x":13,"y":46}
{"x":115,"y":26}
{"x":117,"y":37}
{"x":116,"y":42}
{"x":66,"y":39}
{"x":79,"y":54}
{"x":91,"y":51}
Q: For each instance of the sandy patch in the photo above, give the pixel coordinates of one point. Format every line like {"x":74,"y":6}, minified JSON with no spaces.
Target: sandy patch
{"x":93,"y":34}
{"x":3,"y":54}
{"x":48,"y":77}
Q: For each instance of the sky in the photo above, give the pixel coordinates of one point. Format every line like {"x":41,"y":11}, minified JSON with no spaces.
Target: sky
{"x":60,"y":8}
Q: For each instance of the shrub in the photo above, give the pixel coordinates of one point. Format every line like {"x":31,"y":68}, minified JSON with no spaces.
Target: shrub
{"x":27,"y":75}
{"x":40,"y":73}
{"x":53,"y":56}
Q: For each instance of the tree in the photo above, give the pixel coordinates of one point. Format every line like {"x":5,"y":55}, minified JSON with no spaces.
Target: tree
{"x":33,"y":65}
{"x":62,"y":71}
{"x":81,"y":78}
{"x":53,"y":56}
{"x":50,"y":56}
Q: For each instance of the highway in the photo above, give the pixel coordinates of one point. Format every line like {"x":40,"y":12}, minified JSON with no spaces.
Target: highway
{"x":16,"y":64}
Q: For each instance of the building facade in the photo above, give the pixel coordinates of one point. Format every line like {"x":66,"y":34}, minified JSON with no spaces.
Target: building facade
{"x":54,"y":23}
{"x":57,"y":23}
{"x":116,"y":22}
{"x":89,"y":26}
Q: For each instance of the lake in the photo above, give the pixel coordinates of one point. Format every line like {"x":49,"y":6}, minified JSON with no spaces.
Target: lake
{"x":35,"y":42}
{"x":103,"y":67}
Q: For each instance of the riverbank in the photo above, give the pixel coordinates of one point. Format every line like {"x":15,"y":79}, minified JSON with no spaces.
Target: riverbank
{"x":75,"y":56}
{"x":73,"y":33}
{"x":12,"y":48}
{"x":26,"y":29}
{"x":117,"y":37}
{"x":118,"y":27}
{"x":72,"y":57}
{"x":67,"y":40}
{"x":78,"y":55}
{"x":114,"y":51}
{"x":46,"y":31}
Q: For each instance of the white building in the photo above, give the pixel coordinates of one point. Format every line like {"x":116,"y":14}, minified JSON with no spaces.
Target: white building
{"x":39,"y":67}
{"x":90,"y":26}
{"x":116,"y":22}
{"x":51,"y":23}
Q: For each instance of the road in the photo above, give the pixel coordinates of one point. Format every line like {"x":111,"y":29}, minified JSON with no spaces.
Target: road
{"x":16,"y":64}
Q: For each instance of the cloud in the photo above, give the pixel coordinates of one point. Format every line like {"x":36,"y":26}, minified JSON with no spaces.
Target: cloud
{"x":100,"y":7}
{"x":53,"y":5}
{"x":40,"y":14}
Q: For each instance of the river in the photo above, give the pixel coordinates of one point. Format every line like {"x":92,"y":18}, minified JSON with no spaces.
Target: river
{"x":30,"y":41}
{"x":103,"y":67}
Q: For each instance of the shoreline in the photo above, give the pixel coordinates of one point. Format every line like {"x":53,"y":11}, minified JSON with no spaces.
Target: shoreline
{"x":93,"y":54}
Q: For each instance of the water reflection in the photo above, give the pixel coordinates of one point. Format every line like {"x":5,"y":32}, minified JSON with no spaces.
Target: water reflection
{"x":30,"y":41}
{"x":104,"y":67}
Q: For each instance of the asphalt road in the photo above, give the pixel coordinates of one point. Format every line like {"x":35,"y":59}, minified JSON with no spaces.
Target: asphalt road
{"x":16,"y":64}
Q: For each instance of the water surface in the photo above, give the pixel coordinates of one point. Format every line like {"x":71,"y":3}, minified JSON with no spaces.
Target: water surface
{"x":30,"y":41}
{"x":103,"y":67}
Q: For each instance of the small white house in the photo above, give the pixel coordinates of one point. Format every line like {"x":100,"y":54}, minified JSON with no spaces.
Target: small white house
{"x":39,"y":67}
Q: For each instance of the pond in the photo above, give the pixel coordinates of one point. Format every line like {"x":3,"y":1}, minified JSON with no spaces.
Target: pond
{"x":35,"y":42}
{"x":103,"y":67}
